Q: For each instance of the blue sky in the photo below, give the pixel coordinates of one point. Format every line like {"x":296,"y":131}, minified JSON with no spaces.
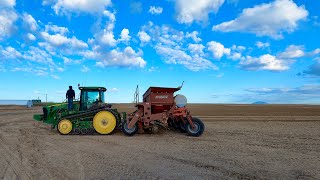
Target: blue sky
{"x":226,"y":51}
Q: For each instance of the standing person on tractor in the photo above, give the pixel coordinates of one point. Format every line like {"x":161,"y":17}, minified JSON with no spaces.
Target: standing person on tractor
{"x":70,"y":95}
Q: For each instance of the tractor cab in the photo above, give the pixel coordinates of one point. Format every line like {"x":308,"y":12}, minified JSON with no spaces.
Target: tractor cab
{"x":91,"y":96}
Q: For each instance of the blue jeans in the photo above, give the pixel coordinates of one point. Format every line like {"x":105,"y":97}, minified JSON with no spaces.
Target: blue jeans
{"x":70,"y":103}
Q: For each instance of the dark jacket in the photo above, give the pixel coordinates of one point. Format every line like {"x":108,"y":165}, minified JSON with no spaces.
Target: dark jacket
{"x":70,"y":94}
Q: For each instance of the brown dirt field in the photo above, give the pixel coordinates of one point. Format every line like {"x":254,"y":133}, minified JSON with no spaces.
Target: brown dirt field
{"x":240,"y":142}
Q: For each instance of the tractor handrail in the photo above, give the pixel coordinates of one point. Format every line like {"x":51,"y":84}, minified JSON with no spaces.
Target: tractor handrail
{"x":181,"y":85}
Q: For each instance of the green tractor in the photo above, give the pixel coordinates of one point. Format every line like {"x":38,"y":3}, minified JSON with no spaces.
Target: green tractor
{"x":89,"y":115}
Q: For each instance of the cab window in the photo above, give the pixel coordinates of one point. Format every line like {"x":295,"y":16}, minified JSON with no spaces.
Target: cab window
{"x":88,"y":98}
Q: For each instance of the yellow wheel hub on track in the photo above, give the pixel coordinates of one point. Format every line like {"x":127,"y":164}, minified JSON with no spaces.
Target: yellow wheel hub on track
{"x":65,"y":126}
{"x":104,"y":122}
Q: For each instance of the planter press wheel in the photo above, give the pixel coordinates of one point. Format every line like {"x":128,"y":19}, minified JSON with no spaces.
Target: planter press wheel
{"x":129,"y":131}
{"x":175,"y":124}
{"x":170,"y":123}
{"x":64,"y":127}
{"x":182,"y":126}
{"x":198,"y":130}
{"x":104,"y":122}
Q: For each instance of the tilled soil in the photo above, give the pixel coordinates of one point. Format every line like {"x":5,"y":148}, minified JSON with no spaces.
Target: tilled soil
{"x":237,"y":143}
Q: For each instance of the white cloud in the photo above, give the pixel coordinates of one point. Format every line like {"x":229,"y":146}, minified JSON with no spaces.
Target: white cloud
{"x":262,"y":45}
{"x":296,"y":95}
{"x":108,"y":38}
{"x":37,"y":92}
{"x":84,"y":69}
{"x":196,"y":10}
{"x":155,"y":10}
{"x":174,"y":47}
{"x":102,"y":44}
{"x":170,"y":36}
{"x":178,"y":56}
{"x":9,"y":53}
{"x":126,"y":58}
{"x":38,"y":55}
{"x":272,"y":19}
{"x":218,"y":49}
{"x":167,"y":35}
{"x":136,"y":7}
{"x":36,"y":71}
{"x":87,"y":6}
{"x":196,"y":49}
{"x":293,"y":51}
{"x":114,"y":90}
{"x":307,"y":89}
{"x":57,"y":40}
{"x":48,"y":2}
{"x":164,"y":34}
{"x":7,"y":3}
{"x":105,"y":36}
{"x":60,"y":69}
{"x":55,"y":76}
{"x":110,"y":15}
{"x":69,"y":61}
{"x":238,"y":48}
{"x":312,"y":70}
{"x":236,"y":52}
{"x":30,"y":22}
{"x":194,"y":36}
{"x":31,"y":37}
{"x":264,"y":62}
{"x":234,"y":2}
{"x":7,"y":20}
{"x":124,"y":36}
{"x":143,"y":36}
{"x":236,"y":56}
{"x":220,"y":75}
{"x":153,"y":69}
{"x":56,"y":29}
{"x":315,"y":52}
{"x":173,"y":56}
{"x":2,"y":69}
{"x":30,"y":60}
{"x":52,"y":43}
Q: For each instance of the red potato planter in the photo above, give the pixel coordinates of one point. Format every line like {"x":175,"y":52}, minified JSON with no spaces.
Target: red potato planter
{"x":160,"y":108}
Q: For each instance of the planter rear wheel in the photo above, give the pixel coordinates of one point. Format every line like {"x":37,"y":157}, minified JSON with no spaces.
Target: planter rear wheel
{"x":198,"y":130}
{"x":129,"y":131}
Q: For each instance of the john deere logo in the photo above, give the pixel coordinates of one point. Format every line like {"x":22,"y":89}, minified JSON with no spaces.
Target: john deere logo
{"x":162,"y":97}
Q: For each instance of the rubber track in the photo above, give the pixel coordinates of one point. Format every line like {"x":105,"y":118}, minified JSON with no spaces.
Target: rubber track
{"x":84,"y":114}
{"x":91,"y":113}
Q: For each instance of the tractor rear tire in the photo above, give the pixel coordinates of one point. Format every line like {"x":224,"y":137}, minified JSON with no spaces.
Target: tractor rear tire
{"x":64,"y":127}
{"x":129,"y":131}
{"x":104,"y":122}
{"x":199,"y":128}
